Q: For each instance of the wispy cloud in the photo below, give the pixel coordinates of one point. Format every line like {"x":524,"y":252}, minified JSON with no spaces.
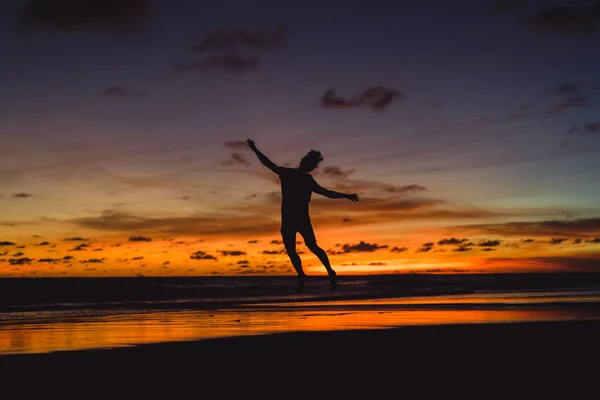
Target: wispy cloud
{"x":377,"y":98}
{"x":231,"y":63}
{"x":236,"y":159}
{"x":21,"y":195}
{"x":551,"y":228}
{"x":227,"y":38}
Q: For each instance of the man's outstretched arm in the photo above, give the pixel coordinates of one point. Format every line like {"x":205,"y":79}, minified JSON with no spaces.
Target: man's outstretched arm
{"x":333,"y":194}
{"x":263,"y":159}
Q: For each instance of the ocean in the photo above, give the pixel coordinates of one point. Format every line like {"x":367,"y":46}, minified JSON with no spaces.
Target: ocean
{"x":40,"y":315}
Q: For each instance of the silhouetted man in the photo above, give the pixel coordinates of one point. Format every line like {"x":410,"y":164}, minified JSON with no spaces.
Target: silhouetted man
{"x":297,"y":186}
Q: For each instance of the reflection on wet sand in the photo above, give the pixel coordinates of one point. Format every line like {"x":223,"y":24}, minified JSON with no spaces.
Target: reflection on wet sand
{"x":22,"y":336}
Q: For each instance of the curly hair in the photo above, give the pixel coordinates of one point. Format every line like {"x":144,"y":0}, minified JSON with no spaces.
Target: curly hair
{"x":311,"y":160}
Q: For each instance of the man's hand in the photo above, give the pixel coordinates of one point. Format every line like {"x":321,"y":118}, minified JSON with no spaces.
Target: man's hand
{"x":353,"y":197}
{"x":251,"y":144}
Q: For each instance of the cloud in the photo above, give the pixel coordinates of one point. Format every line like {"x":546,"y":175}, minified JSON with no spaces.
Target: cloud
{"x":570,"y":88}
{"x":21,"y":195}
{"x":566,"y":19}
{"x":252,"y":241}
{"x":228,"y":38}
{"x":76,"y":239}
{"x":570,"y":102}
{"x":242,"y":262}
{"x":577,"y":241}
{"x":593,"y":241}
{"x":109,"y":16}
{"x":43,"y":243}
{"x":137,"y":258}
{"x":232,"y":252}
{"x":18,"y":254}
{"x":139,"y":239}
{"x":425,"y":247}
{"x":273,"y":252}
{"x":201,"y":255}
{"x":566,"y":228}
{"x":231,"y":63}
{"x":236,"y":159}
{"x":452,"y":241}
{"x":489,"y":243}
{"x":237,"y":144}
{"x":336,"y":171}
{"x":558,"y":240}
{"x":123,"y":92}
{"x":462,"y":248}
{"x":591,"y":127}
{"x":362,"y":247}
{"x":93,"y":261}
{"x":7,"y":243}
{"x":20,"y":261}
{"x":80,"y":247}
{"x":398,"y":249}
{"x":49,"y":260}
{"x":527,"y":240}
{"x":377,"y":98}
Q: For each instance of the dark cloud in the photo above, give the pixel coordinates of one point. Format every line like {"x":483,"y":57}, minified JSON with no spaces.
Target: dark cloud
{"x":376,"y":263}
{"x":488,"y":249}
{"x":567,"y":228}
{"x":566,"y":19}
{"x":111,"y":16}
{"x":21,"y":195}
{"x":337,"y":171}
{"x":362,"y":247}
{"x":242,"y":262}
{"x":558,"y":240}
{"x":137,"y":258}
{"x":232,"y":63}
{"x":80,"y":247}
{"x":236,"y":159}
{"x":252,"y":241}
{"x":228,"y":38}
{"x":425,"y":247}
{"x":18,"y":254}
{"x":502,"y":6}
{"x":398,"y":249}
{"x":93,"y":261}
{"x":201,"y":255}
{"x":20,"y":261}
{"x":76,"y":239}
{"x":489,"y":243}
{"x":377,"y":98}
{"x":276,"y":241}
{"x":452,"y":241}
{"x":527,"y":240}
{"x":577,"y":241}
{"x":67,"y":258}
{"x":123,"y":92}
{"x":273,"y":252}
{"x":6,"y":243}
{"x":591,"y":127}
{"x":565,"y":89}
{"x":49,"y":260}
{"x":139,"y":239}
{"x":233,"y":253}
{"x":593,"y":241}
{"x":462,"y":248}
{"x":43,"y":244}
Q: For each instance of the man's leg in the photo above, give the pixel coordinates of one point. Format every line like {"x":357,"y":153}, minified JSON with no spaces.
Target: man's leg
{"x":308,"y":233}
{"x":288,"y":234}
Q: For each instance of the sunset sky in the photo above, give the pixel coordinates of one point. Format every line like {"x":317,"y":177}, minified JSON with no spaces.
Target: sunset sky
{"x":469,"y":129}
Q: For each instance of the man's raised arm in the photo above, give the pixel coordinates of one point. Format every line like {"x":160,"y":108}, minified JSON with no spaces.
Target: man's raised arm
{"x":333,"y":194}
{"x":263,"y":159}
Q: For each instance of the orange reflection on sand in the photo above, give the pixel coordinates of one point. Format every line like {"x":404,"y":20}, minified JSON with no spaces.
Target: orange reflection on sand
{"x":134,"y":329}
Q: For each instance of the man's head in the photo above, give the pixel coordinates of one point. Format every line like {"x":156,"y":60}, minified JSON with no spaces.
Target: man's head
{"x":310,"y":161}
